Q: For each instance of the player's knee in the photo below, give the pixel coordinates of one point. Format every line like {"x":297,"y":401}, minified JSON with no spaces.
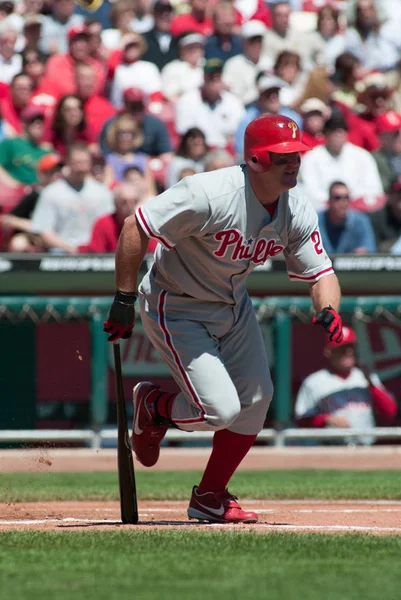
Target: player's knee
{"x":261,"y":406}
{"x":225,"y":414}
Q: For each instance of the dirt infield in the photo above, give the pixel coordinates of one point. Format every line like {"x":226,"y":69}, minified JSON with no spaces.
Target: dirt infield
{"x":264,"y":458}
{"x":379,"y":517}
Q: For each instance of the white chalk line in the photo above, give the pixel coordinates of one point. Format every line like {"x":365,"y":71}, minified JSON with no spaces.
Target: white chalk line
{"x":68,"y":520}
{"x":154,"y":511}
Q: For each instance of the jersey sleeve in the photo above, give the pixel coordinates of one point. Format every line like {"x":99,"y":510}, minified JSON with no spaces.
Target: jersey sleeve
{"x":179,"y":212}
{"x":306,"y":403}
{"x":305,"y":255}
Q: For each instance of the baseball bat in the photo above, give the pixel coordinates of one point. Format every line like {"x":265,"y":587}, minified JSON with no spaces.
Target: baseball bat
{"x":126,"y":473}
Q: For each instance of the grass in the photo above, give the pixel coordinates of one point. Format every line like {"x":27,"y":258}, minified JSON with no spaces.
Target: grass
{"x":156,"y":565}
{"x":176,"y":485}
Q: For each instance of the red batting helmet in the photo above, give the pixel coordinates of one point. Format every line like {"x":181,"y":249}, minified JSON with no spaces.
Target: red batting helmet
{"x":349,"y":337}
{"x":270,"y":133}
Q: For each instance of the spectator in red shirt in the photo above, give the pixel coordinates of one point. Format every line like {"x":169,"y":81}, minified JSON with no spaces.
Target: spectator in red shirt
{"x":107,"y":229}
{"x":374,"y":95}
{"x":314,"y":113}
{"x":97,"y":108}
{"x":33,"y":64}
{"x":13,"y":103}
{"x":68,"y":125}
{"x":45,"y":93}
{"x":252,"y":10}
{"x":61,"y":67}
{"x":197,"y":20}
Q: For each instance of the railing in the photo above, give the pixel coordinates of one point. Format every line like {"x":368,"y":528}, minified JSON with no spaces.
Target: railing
{"x":279,"y":310}
{"x":96,"y":439}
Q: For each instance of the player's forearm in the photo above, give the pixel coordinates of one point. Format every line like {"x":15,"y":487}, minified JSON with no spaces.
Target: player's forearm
{"x":131,"y":249}
{"x":325,"y":292}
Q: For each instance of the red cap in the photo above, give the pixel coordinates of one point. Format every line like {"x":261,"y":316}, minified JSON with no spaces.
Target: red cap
{"x":396,"y":185}
{"x":48,"y":162}
{"x":389,"y":121}
{"x":349,"y":337}
{"x":76,"y":30}
{"x":31,"y":113}
{"x":134,"y":94}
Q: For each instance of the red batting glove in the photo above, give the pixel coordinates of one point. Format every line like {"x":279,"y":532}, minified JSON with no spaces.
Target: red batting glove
{"x":117,"y":331}
{"x":121,"y":320}
{"x":331,"y":321}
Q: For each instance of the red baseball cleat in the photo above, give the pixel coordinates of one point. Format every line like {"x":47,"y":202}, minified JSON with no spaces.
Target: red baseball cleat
{"x":146,"y":434}
{"x":218,"y":507}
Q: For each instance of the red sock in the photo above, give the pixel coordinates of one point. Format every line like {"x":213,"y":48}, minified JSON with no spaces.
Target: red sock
{"x":160,"y":404}
{"x":229,"y":449}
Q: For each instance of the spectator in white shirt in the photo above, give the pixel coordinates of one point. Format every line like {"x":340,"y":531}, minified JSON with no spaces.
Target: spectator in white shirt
{"x":10,"y":62}
{"x":186,"y":73}
{"x":121,"y":15}
{"x":216,"y":112}
{"x":55,"y":27}
{"x":328,"y":33}
{"x":144,"y":20}
{"x":283,"y":37}
{"x":288,"y":68}
{"x":240,"y":71}
{"x":134,"y":72}
{"x":67,"y":209}
{"x":370,"y":39}
{"x":339,"y":160}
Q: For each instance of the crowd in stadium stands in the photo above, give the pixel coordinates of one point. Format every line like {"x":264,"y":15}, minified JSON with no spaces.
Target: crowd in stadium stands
{"x":104,"y":104}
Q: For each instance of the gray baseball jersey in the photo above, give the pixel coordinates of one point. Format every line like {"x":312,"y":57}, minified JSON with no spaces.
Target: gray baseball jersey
{"x":194,"y":306}
{"x":216,"y":232}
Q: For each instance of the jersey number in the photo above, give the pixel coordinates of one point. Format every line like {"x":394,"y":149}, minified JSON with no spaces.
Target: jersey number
{"x":317,"y":242}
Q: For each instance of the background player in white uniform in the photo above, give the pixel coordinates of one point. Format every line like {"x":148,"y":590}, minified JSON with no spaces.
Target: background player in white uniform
{"x":344,"y":394}
{"x":213,"y":229}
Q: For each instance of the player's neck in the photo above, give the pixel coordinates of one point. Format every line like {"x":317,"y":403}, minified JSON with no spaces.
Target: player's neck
{"x":264,"y":192}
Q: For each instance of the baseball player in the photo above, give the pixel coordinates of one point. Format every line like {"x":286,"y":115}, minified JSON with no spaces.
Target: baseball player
{"x":345,"y":394}
{"x":213,"y":229}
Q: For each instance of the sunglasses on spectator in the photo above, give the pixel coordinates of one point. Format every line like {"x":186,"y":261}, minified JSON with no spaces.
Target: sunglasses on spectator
{"x":340,"y":197}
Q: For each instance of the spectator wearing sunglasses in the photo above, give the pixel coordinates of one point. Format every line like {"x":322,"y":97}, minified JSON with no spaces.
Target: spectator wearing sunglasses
{"x":344,"y":230}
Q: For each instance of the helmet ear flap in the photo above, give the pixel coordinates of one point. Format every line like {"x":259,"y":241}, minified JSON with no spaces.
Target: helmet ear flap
{"x":260,"y":164}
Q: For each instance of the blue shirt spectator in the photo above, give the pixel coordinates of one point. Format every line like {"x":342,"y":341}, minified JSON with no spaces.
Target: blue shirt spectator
{"x":95,"y":10}
{"x":344,"y":230}
{"x":224,"y":43}
{"x":223,"y":49}
{"x":156,"y":138}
